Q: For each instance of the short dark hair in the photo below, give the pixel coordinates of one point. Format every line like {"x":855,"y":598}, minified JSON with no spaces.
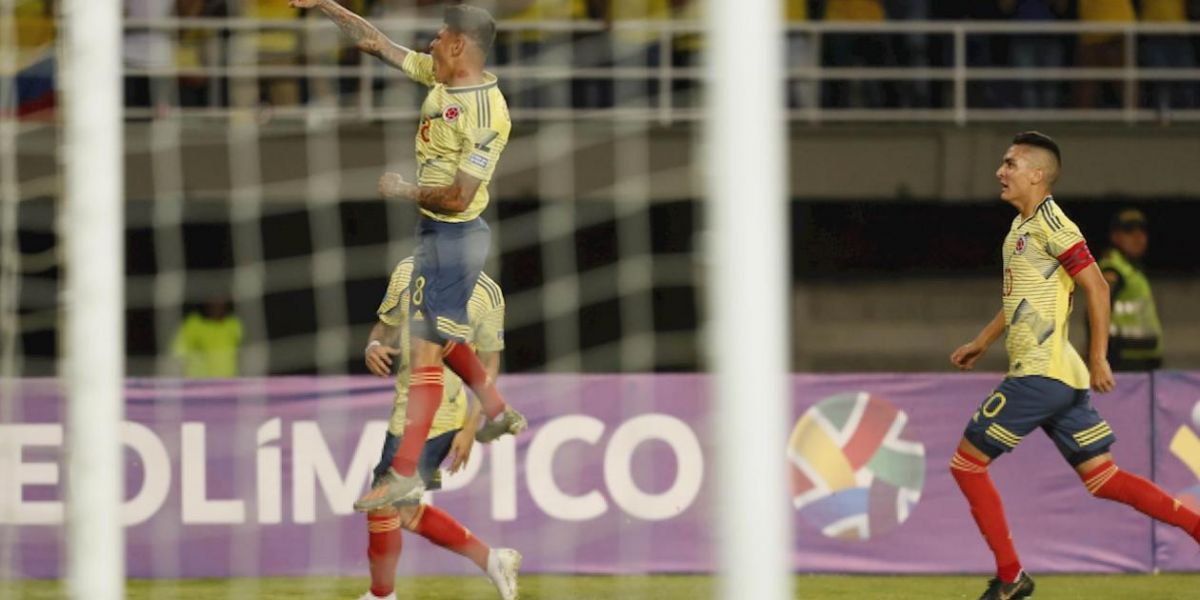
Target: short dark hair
{"x":1039,"y":140}
{"x":473,"y":22}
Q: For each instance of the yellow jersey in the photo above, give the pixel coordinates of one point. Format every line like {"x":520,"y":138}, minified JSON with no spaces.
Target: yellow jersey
{"x":35,"y":23}
{"x":1170,"y":11}
{"x":1104,"y":10}
{"x":854,"y":10}
{"x":462,"y":129}
{"x":1042,"y":254}
{"x":485,"y":311}
{"x":208,"y":347}
{"x":548,"y":10}
{"x":638,"y":10}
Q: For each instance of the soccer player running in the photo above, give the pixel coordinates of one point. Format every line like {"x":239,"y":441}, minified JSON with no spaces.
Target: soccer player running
{"x":1045,"y":257}
{"x":464,"y":128}
{"x":452,"y":434}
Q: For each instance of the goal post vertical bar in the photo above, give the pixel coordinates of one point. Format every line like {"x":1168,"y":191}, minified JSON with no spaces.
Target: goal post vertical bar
{"x":92,"y":347}
{"x":747,"y":287}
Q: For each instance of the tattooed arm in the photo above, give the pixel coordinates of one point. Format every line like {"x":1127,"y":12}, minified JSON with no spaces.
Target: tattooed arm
{"x":447,"y":200}
{"x":366,"y":36}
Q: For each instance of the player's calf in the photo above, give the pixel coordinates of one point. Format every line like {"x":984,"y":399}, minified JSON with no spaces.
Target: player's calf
{"x":383,"y":552}
{"x":465,"y":363}
{"x":971,"y":475}
{"x":1106,"y":480}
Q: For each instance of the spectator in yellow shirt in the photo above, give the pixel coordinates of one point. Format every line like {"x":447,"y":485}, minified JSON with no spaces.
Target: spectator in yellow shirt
{"x":271,"y":47}
{"x":207,"y":342}
{"x":854,"y":50}
{"x":1097,"y":50}
{"x":1168,"y":51}
{"x":534,"y":47}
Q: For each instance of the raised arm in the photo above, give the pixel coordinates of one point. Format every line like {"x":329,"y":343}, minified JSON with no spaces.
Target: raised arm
{"x":965,"y":356}
{"x":1098,"y":305}
{"x":366,"y":36}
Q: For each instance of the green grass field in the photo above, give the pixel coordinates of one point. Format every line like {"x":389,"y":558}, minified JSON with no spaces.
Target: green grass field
{"x":1059,"y":587}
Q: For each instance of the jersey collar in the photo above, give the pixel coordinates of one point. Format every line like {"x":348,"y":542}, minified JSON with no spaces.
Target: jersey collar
{"x":1035,"y":211}
{"x":490,"y":82}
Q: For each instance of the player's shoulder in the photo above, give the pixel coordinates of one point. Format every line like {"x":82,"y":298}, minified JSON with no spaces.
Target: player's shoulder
{"x":403,"y":270}
{"x":489,"y":291}
{"x":1053,"y":218}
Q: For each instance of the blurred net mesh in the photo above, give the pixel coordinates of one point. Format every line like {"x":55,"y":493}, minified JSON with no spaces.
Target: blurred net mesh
{"x":274,"y":206}
{"x":238,"y":189}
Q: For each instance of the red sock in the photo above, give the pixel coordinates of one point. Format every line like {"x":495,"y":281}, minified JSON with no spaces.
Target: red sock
{"x":435,"y":525}
{"x":463,"y":361}
{"x":1109,"y":482}
{"x":424,"y":396}
{"x":383,"y":551}
{"x":975,"y":483}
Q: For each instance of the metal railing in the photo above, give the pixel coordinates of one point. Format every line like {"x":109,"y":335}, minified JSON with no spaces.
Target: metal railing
{"x":231,"y":56}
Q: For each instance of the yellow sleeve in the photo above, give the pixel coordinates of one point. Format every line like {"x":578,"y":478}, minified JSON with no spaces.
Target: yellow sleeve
{"x":1061,"y":233}
{"x":484,"y":134}
{"x":489,"y":331}
{"x":419,"y":67}
{"x":389,"y":310}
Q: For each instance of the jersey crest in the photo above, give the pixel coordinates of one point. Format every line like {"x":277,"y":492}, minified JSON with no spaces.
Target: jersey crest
{"x":1020,"y":245}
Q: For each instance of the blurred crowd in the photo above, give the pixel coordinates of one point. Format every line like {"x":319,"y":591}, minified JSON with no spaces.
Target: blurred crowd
{"x":171,"y":63}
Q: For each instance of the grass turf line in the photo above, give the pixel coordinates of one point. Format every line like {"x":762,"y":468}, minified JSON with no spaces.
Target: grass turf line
{"x":664,"y":587}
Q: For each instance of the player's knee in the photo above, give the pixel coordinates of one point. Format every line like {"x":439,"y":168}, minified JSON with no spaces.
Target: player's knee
{"x":383,"y":513}
{"x":966,"y":463}
{"x":410,"y":516}
{"x":1095,"y":473}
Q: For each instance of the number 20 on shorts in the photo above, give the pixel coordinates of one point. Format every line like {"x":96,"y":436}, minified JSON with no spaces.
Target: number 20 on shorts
{"x":992,"y":406}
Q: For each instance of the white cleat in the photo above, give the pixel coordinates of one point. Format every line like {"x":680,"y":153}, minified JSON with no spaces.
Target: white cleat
{"x":370,"y":596}
{"x":502,"y":567}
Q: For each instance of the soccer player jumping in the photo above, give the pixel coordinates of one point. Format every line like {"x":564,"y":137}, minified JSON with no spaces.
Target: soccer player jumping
{"x":464,"y":128}
{"x":453,"y":433}
{"x":1045,"y":257}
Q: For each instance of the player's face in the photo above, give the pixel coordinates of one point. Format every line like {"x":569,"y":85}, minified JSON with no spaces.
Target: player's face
{"x":439,"y":49}
{"x":1131,"y":242}
{"x":1014,"y":174}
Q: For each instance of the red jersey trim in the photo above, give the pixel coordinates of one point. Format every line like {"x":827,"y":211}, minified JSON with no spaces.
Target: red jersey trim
{"x":1076,"y":258}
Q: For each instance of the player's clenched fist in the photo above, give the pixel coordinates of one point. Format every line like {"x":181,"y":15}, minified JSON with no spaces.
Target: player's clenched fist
{"x":393,"y":185}
{"x":303,"y":3}
{"x":1102,"y":376}
{"x":379,"y":359}
{"x":966,"y":355}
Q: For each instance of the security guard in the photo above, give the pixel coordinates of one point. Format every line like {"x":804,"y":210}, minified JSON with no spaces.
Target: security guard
{"x":1135,"y":341}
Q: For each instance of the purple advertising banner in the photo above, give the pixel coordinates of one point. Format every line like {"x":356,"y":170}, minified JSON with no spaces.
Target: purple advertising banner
{"x":256,"y":477}
{"x":1177,"y":462}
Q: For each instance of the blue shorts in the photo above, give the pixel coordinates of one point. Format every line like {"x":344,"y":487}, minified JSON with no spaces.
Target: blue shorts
{"x":436,"y":450}
{"x":446,"y":265}
{"x":1022,"y":404}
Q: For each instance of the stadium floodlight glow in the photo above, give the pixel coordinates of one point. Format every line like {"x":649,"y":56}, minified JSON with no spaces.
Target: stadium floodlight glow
{"x":747,"y":291}
{"x":93,"y":349}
